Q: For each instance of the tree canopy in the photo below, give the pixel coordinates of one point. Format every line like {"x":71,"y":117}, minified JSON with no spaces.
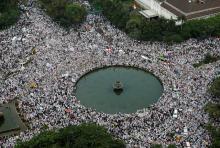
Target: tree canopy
{"x":64,"y":12}
{"x":215,"y":87}
{"x":213,"y":110}
{"x":82,"y":136}
{"x":9,"y":13}
{"x":215,"y":133}
{"x":171,"y":146}
{"x":156,"y":146}
{"x":123,"y":16}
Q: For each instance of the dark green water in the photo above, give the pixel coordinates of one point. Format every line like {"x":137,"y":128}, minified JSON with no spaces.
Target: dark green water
{"x":141,"y":89}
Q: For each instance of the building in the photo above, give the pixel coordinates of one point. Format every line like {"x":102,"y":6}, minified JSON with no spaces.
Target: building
{"x":172,"y":9}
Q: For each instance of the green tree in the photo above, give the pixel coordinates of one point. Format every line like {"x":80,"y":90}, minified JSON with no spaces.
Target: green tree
{"x":159,"y":29}
{"x":215,"y":87}
{"x":213,"y":110}
{"x":215,"y":133}
{"x":82,"y":136}
{"x":156,"y":146}
{"x":75,"y":13}
{"x":64,"y":12}
{"x":9,"y":13}
{"x":210,"y":59}
{"x":133,"y":26}
{"x":171,"y":146}
{"x":173,"y":38}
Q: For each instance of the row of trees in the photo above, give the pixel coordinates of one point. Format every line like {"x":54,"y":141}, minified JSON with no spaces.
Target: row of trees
{"x":122,"y":15}
{"x":214,"y":108}
{"x":64,"y":12}
{"x":82,"y":136}
{"x":214,"y":112}
{"x":215,"y":87}
{"x":9,"y":13}
{"x":215,"y":133}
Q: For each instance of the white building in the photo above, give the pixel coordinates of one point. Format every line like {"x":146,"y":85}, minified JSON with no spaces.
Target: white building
{"x":172,"y":9}
{"x":153,"y":8}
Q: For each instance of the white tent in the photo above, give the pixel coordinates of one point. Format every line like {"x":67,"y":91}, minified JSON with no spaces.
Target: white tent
{"x":185,"y":131}
{"x":175,"y":113}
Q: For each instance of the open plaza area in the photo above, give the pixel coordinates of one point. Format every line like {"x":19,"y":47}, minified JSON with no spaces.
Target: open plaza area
{"x":40,"y":64}
{"x":12,"y":124}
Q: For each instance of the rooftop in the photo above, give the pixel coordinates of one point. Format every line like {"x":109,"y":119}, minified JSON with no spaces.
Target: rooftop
{"x":192,"y":8}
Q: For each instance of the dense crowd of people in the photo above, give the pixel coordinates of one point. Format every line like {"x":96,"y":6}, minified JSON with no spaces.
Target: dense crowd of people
{"x":40,"y":62}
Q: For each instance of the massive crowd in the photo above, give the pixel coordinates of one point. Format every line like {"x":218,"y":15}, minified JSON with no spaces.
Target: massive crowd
{"x":40,"y":63}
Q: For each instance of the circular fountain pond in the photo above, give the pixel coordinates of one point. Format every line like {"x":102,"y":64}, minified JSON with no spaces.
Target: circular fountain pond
{"x":118,"y":89}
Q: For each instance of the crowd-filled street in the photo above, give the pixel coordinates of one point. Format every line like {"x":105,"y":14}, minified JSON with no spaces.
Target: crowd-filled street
{"x":40,"y":62}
